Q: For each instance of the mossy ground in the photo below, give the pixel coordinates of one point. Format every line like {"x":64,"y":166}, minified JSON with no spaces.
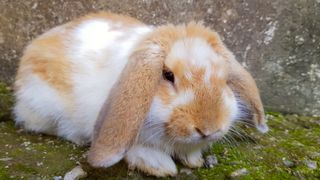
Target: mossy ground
{"x":5,"y":101}
{"x":291,"y":138}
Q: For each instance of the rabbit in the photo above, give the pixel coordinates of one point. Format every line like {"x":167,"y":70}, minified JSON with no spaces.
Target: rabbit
{"x":145,"y":94}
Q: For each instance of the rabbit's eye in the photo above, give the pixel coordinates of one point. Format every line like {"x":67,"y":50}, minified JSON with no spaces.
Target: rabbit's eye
{"x":168,"y":75}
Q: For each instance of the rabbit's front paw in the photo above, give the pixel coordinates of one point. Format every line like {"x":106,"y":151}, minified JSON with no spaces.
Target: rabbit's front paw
{"x":151,"y":161}
{"x":192,"y":159}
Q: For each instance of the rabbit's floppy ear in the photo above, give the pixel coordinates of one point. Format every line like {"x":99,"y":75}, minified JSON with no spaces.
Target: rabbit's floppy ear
{"x":242,"y":83}
{"x":124,"y":111}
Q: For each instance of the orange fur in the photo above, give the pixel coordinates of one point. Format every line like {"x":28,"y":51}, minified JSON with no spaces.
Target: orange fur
{"x":46,"y":59}
{"x":207,"y":112}
{"x":164,"y":94}
{"x":169,"y":34}
{"x":243,"y":84}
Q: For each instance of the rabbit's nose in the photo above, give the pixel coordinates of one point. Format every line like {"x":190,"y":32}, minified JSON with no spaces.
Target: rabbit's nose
{"x":203,"y":132}
{"x":207,"y":133}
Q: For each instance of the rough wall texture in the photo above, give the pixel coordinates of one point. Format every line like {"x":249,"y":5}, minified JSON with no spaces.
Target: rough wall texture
{"x":278,"y":41}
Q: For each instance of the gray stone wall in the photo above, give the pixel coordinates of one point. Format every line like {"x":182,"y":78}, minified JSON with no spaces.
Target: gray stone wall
{"x":278,"y":41}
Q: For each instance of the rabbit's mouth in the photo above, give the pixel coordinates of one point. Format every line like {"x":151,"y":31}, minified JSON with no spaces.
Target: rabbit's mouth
{"x":214,"y":136}
{"x":200,"y":139}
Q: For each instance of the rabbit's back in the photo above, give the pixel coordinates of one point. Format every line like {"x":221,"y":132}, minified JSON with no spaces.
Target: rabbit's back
{"x":66,"y":74}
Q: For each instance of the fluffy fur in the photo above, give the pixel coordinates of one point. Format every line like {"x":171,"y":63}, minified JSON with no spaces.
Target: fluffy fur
{"x":98,"y":80}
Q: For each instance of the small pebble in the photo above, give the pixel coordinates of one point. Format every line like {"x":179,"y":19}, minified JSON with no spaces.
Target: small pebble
{"x":210,"y":161}
{"x":57,"y":178}
{"x":20,"y":131}
{"x":299,"y":40}
{"x":186,"y":171}
{"x":239,"y":172}
{"x":314,"y":155}
{"x":258,"y":147}
{"x":311,"y":164}
{"x":288,"y":163}
{"x":297,"y":143}
{"x":35,"y":5}
{"x":131,"y":173}
{"x":27,"y":143}
{"x":6,"y":159}
{"x":75,"y":173}
{"x":39,"y":163}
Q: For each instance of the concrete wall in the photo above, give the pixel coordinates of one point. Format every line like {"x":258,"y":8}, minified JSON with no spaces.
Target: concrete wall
{"x":277,"y":40}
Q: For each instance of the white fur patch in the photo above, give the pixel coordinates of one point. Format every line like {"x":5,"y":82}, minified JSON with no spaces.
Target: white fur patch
{"x":263,"y":128}
{"x":32,"y":120}
{"x":111,"y":160}
{"x":143,"y":30}
{"x":197,"y":53}
{"x":183,"y":98}
{"x":192,"y":159}
{"x":153,"y":131}
{"x":149,"y":158}
{"x":39,"y":106}
{"x":195,"y":50}
{"x":43,"y":99}
{"x":96,"y":34}
{"x":153,"y":128}
{"x":231,"y":104}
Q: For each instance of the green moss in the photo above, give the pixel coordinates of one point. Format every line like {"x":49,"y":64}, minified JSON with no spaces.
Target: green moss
{"x":290,"y":138}
{"x":293,"y":138}
{"x":6,"y":101}
{"x":34,"y":155}
{"x":4,"y":174}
